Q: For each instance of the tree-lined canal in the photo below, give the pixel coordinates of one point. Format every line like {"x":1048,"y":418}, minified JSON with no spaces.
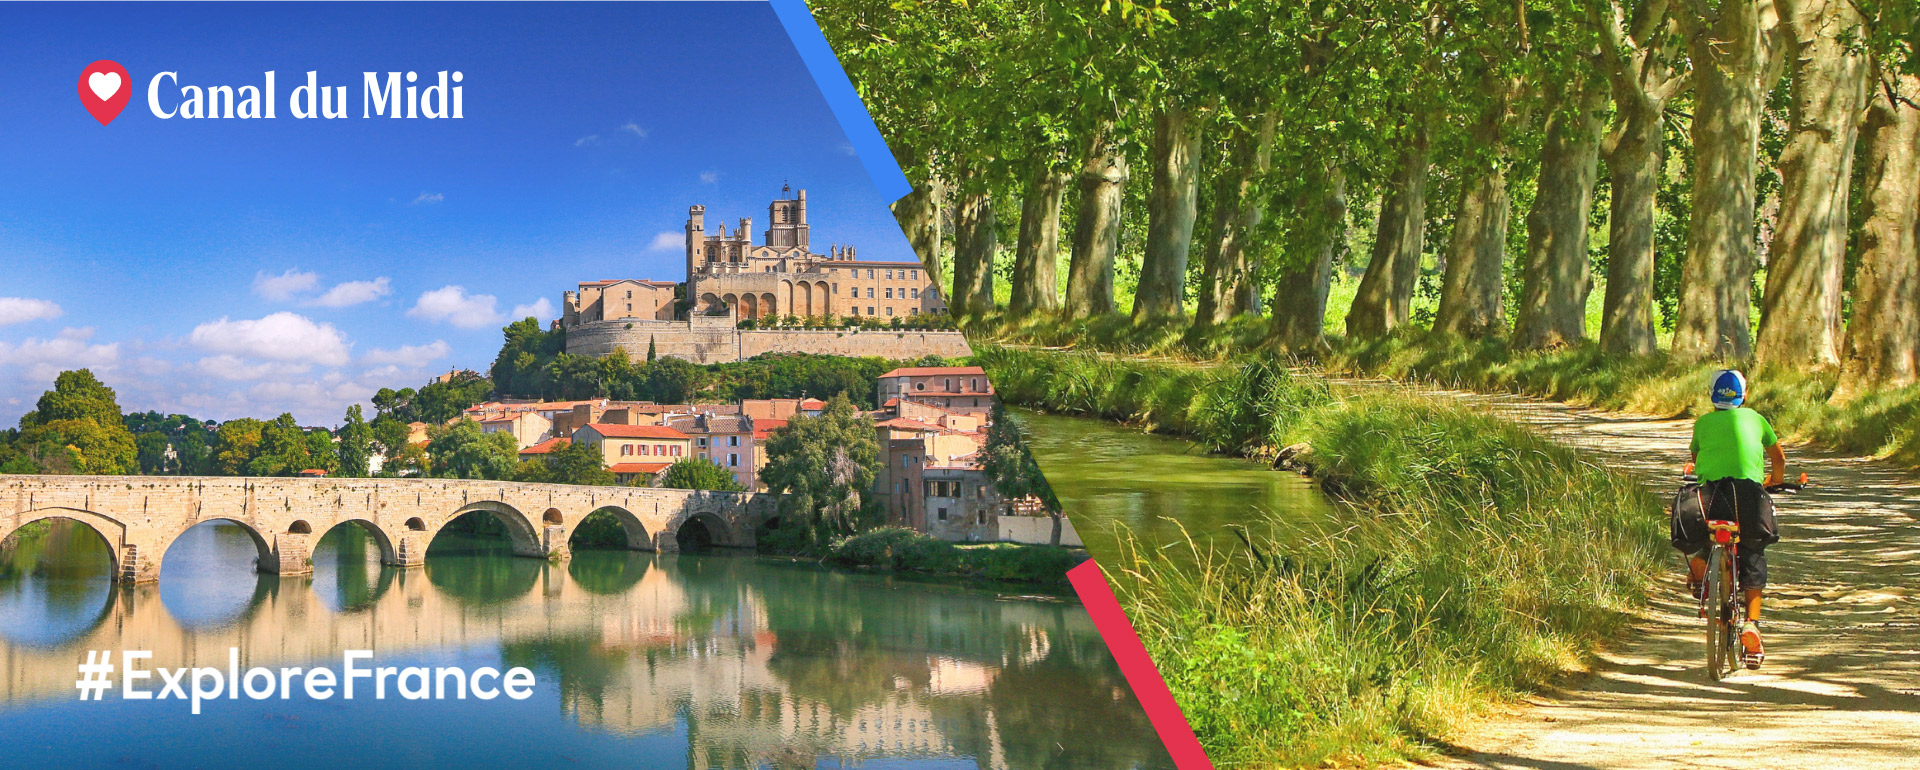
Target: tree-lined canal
{"x":646,"y":661}
{"x":1112,"y":479}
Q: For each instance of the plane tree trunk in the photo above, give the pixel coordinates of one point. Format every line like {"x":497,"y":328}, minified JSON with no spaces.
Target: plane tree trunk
{"x":1638,"y":52}
{"x":1800,"y":322}
{"x":1171,"y":210}
{"x":1385,"y":297}
{"x":919,"y":216}
{"x":1731,"y":47}
{"x":1557,"y":275}
{"x":1228,"y":273}
{"x":974,"y":244}
{"x":1470,"y":293}
{"x":1300,"y":293}
{"x":1036,"y":255}
{"x":1884,"y":337}
{"x":1096,"y":230}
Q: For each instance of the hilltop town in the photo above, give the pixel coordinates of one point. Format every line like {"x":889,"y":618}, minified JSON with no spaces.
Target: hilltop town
{"x":739,"y":299}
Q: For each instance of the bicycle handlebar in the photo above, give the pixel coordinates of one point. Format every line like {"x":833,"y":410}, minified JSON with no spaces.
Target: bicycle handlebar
{"x":1782,"y":488}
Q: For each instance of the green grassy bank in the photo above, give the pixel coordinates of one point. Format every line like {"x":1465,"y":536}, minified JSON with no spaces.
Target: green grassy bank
{"x":1883,"y":422}
{"x":898,"y":549}
{"x":1470,"y":560}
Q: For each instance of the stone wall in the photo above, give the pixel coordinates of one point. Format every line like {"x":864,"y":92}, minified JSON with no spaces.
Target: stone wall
{"x":703,"y":341}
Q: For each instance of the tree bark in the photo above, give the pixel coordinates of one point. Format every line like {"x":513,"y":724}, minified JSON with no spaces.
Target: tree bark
{"x":1300,"y":294}
{"x":919,"y":216}
{"x":1096,"y":230}
{"x":1470,"y":292}
{"x":1731,"y":49}
{"x":974,"y":244}
{"x":1385,"y":298}
{"x":1558,"y":275}
{"x":1171,"y":209}
{"x":1228,"y":276}
{"x":1036,"y":255}
{"x":1884,"y":336}
{"x":1800,"y":311}
{"x":1639,"y":53}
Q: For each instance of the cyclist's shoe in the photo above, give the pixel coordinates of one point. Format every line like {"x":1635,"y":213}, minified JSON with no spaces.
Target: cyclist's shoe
{"x":1753,"y":654}
{"x":1697,"y":589}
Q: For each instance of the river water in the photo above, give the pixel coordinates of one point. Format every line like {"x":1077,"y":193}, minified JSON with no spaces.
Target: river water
{"x":640,"y":661}
{"x":1114,"y":480}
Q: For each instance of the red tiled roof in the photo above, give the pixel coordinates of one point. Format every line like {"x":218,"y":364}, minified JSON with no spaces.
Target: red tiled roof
{"x":925,"y":371}
{"x":635,"y":431}
{"x":638,"y":467}
{"x":764,"y":428}
{"x":547,"y":446}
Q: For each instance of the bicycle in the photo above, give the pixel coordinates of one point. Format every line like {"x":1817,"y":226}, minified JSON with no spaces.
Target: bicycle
{"x":1723,"y":604}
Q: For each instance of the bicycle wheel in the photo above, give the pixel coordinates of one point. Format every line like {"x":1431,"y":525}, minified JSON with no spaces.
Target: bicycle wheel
{"x":1719,"y":638}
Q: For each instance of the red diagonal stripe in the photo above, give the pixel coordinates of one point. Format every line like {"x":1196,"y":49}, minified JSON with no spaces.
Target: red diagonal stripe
{"x":1148,"y":686}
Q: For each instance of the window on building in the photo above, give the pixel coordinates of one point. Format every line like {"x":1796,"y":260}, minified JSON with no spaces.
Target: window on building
{"x":733,"y":460}
{"x":976,"y":383}
{"x":949,"y":385}
{"x":869,"y":277}
{"x":629,"y":294}
{"x":943,"y":514}
{"x":870,"y":310}
{"x":913,"y":275}
{"x":983,"y":517}
{"x":889,"y":293}
{"x":676,"y":450}
{"x":889,"y":275}
{"x":916,"y":293}
{"x":919,"y":386}
{"x":733,"y":441}
{"x":869,"y":292}
{"x":626,"y":449}
{"x":889,"y":310}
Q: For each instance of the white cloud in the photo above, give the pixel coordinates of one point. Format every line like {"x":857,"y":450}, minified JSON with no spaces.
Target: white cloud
{"x":668,"y":242}
{"x":353,"y":293}
{"x":284,"y":286}
{"x":14,"y":310}
{"x":411,"y":356}
{"x":541,"y":308}
{"x":709,"y":177}
{"x":586,"y":140}
{"x":635,"y":129}
{"x":282,"y":336}
{"x":453,"y":305}
{"x":229,"y":367}
{"x":71,"y":349}
{"x":429,"y":197}
{"x":846,"y":148}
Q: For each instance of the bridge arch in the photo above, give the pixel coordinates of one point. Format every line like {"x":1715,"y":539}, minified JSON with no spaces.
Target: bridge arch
{"x":380,"y":537}
{"x":264,"y":559}
{"x":520,"y":529}
{"x":44,"y":623}
{"x":637,"y":536}
{"x":108,"y":528}
{"x":701,"y":530}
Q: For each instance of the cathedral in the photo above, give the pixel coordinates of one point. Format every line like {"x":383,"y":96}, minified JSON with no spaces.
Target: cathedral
{"x":730,"y":275}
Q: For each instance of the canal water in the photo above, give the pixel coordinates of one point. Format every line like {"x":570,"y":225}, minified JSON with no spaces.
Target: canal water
{"x":640,"y":661}
{"x":1116,"y":481}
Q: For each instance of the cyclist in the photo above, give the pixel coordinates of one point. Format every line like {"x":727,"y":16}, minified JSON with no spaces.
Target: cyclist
{"x":1727,"y":449}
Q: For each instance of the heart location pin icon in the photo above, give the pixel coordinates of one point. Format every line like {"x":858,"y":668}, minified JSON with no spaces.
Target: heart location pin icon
{"x":104,"y":90}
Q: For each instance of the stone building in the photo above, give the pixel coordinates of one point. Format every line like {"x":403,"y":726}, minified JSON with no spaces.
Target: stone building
{"x":783,"y":277}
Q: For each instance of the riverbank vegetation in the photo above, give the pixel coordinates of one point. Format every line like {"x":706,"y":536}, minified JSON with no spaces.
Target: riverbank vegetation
{"x":898,"y":549}
{"x":1470,"y":559}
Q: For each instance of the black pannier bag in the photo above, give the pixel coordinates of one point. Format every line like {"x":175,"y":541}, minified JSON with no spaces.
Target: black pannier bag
{"x":1742,"y":500}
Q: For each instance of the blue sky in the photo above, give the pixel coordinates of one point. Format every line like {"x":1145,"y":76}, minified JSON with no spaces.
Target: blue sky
{"x":227,"y":268}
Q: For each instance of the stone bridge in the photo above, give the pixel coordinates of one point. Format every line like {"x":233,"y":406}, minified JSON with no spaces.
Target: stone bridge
{"x":139,"y":516}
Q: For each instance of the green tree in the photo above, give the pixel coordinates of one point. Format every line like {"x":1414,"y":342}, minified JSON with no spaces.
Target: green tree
{"x":285,"y":449}
{"x":78,"y":428}
{"x":1011,"y":466}
{"x":699,"y":473}
{"x":823,"y":467}
{"x":356,"y":443}
{"x":463,"y":451}
{"x":578,"y":463}
{"x":239,"y":442}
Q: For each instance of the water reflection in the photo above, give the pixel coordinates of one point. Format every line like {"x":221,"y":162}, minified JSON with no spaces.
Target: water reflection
{"x":643,"y":661}
{"x":53,"y":585}
{"x":1160,"y":488}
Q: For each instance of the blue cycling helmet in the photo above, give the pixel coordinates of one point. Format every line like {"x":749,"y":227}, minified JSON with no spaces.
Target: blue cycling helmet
{"x":1729,"y":389}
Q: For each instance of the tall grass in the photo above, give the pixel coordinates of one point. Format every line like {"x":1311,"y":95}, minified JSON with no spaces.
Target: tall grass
{"x":1470,"y":559}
